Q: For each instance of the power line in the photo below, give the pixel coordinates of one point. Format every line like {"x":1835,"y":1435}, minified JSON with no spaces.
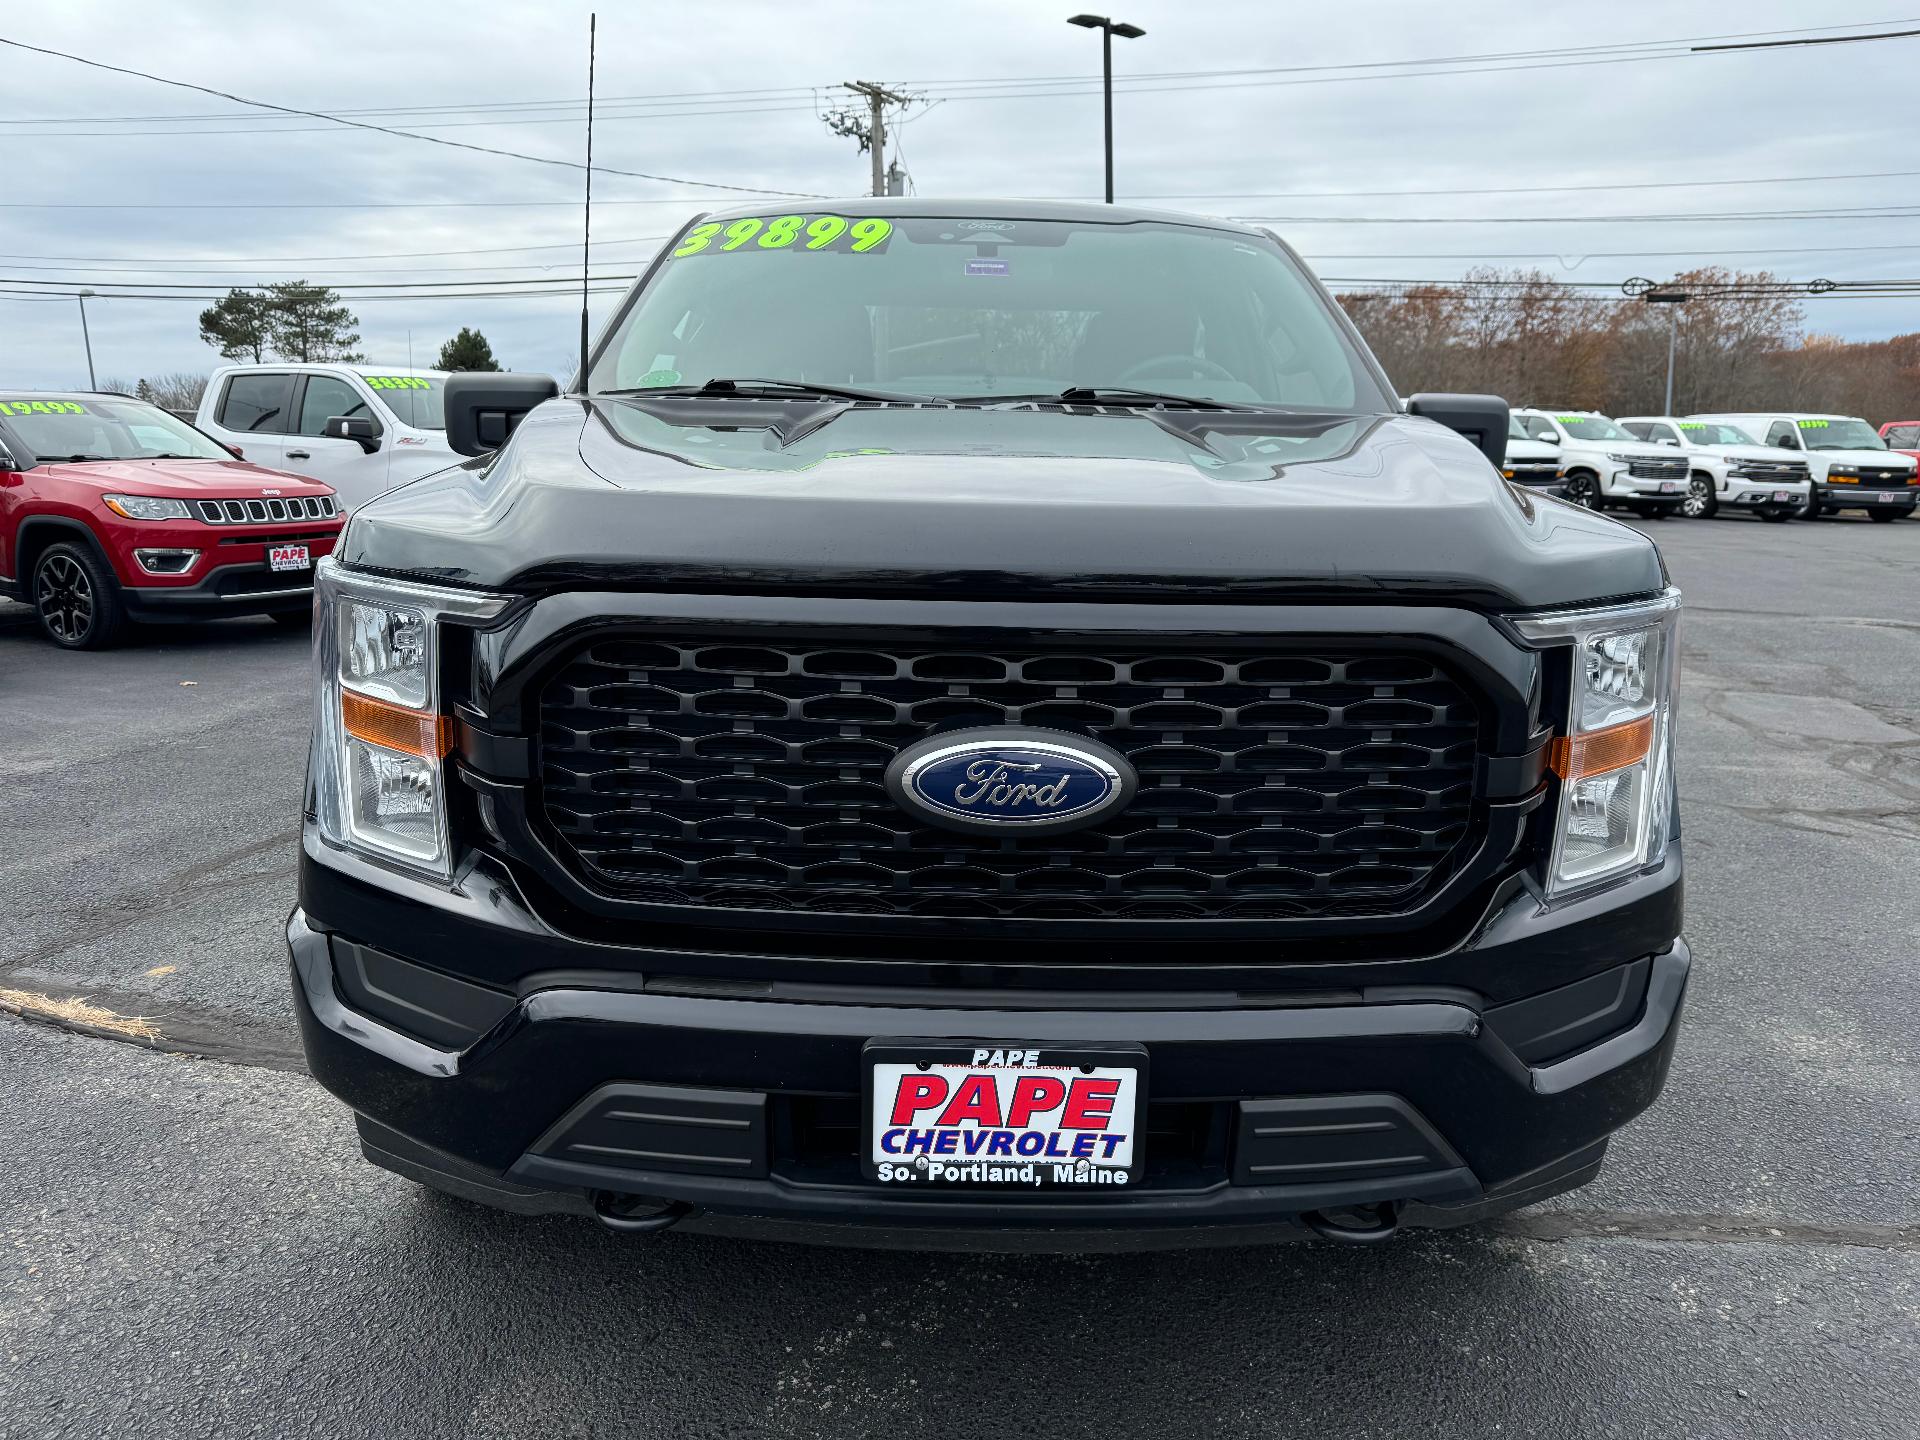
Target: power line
{"x":692,"y":97}
{"x":1827,"y":40}
{"x":387,"y":130}
{"x":1423,"y":193}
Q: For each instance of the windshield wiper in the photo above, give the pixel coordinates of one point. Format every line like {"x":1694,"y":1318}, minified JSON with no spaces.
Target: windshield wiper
{"x":751,"y":386}
{"x":1113,"y":394}
{"x":68,"y":459}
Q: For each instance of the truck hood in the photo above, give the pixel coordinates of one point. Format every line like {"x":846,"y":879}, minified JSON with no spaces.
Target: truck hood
{"x":1637,"y":449}
{"x":1014,"y":501}
{"x":1856,"y":457}
{"x":188,"y":479}
{"x":1532,"y":450}
{"x":1766,"y":454}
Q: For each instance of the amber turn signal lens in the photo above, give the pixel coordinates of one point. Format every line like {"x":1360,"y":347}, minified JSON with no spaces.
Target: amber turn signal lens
{"x":1613,"y":748}
{"x":380,"y":722}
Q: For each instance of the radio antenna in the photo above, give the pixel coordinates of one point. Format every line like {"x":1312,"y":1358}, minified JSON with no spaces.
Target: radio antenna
{"x":586,"y":226}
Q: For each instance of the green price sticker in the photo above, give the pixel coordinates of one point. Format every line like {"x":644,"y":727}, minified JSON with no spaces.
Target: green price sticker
{"x":42,"y":407}
{"x":398,"y":382}
{"x":785,"y":232}
{"x":1692,"y":425}
{"x":1569,"y":419}
{"x":1812,"y":424}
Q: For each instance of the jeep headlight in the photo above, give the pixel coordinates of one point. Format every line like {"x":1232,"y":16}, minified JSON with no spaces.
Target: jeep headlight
{"x":1614,"y":753}
{"x":147,"y":507}
{"x":380,"y":741}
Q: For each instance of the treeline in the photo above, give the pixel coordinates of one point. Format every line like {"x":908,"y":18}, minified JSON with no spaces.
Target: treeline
{"x":1742,"y":345}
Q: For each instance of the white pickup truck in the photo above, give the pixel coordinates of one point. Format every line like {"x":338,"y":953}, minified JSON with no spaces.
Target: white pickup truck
{"x":363,"y":429}
{"x":1851,"y":467}
{"x":1532,"y":463}
{"x":1606,"y":466}
{"x":1728,"y":467}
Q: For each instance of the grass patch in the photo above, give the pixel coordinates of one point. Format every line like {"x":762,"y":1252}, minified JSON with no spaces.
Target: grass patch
{"x":77,"y":1012}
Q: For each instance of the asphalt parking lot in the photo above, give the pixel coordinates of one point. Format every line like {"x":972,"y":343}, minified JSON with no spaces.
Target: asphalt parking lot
{"x":192,"y":1245}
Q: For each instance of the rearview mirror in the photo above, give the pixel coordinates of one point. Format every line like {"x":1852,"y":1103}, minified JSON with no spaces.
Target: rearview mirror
{"x":353,"y":427}
{"x":483,"y":409}
{"x":1481,"y":418}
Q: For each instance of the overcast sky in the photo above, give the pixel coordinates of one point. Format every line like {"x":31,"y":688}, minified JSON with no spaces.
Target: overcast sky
{"x":1271,"y":140}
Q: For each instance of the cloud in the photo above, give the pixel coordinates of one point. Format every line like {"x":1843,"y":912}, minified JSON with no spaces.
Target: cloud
{"x":1808,"y":112}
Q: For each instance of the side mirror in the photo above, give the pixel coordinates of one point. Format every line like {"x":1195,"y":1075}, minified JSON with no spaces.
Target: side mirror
{"x":353,"y":427}
{"x":482,"y":408}
{"x":7,"y":464}
{"x":1787,"y":442}
{"x":1481,"y":418}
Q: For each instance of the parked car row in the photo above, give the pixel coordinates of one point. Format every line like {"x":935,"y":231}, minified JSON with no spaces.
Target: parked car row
{"x":1776,"y":464}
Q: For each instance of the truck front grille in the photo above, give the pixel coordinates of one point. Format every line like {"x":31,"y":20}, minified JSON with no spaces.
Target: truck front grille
{"x":1883,"y":475}
{"x":1658,"y":469}
{"x":1274,"y":783}
{"x":1784,"y":472}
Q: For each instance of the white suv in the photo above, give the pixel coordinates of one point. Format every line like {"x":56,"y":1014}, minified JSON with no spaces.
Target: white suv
{"x":1606,"y":466}
{"x":363,"y":429}
{"x":1728,"y":468}
{"x":1850,"y":464}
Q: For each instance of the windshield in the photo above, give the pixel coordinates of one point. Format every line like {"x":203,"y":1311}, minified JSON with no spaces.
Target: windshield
{"x":417,"y":400}
{"x":1591,"y":427}
{"x":977,"y":307}
{"x":1839,"y":435}
{"x":1705,"y":432}
{"x":102,"y":427}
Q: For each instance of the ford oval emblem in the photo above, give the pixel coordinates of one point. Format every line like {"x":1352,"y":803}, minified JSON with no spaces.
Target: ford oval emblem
{"x":1008,"y":780}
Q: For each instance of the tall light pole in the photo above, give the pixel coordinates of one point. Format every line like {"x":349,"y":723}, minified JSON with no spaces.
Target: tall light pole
{"x":1675,"y":299}
{"x":1108,"y":29}
{"x":82,"y":297}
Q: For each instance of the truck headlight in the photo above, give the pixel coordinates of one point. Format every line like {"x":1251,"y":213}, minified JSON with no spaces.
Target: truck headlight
{"x":1620,"y":458}
{"x":1614,"y":755}
{"x":377,"y":765}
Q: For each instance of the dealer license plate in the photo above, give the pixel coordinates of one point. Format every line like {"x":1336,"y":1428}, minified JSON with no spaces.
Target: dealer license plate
{"x":288,"y":557}
{"x":1780,"y":495}
{"x":998,"y":1116}
{"x":1669,"y":487}
{"x":1888,"y":499}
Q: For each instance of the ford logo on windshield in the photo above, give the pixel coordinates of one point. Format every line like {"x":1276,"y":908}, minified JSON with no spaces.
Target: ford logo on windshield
{"x":1006,"y":780}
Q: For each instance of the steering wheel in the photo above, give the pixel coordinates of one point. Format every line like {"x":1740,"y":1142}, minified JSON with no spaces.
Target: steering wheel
{"x":1172,"y":364}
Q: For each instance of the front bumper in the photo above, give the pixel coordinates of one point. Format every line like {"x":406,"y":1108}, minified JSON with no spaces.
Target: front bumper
{"x":1870,"y":497}
{"x":1515,"y":1094}
{"x":229,"y":590}
{"x":1753,"y":494}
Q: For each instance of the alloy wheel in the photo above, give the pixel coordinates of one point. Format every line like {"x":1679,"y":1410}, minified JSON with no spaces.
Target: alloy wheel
{"x":1699,"y":501}
{"x":1580,"y":490}
{"x":64,"y":596}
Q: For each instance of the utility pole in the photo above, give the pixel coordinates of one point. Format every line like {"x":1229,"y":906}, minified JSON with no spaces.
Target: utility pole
{"x":871,"y":131}
{"x":92,"y":384}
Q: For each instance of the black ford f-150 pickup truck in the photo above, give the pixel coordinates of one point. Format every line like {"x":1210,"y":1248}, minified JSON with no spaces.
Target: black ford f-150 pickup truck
{"x":988,"y":724}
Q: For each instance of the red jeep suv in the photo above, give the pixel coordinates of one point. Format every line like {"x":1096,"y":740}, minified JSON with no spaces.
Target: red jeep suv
{"x":112,"y":511}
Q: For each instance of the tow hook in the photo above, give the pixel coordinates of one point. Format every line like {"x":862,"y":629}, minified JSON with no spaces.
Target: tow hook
{"x":635,"y":1214}
{"x":1355,"y":1224}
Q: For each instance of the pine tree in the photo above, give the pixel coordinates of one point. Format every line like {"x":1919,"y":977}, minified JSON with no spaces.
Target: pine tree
{"x":308,"y":322}
{"x":468,"y":350}
{"x":236,"y":326}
